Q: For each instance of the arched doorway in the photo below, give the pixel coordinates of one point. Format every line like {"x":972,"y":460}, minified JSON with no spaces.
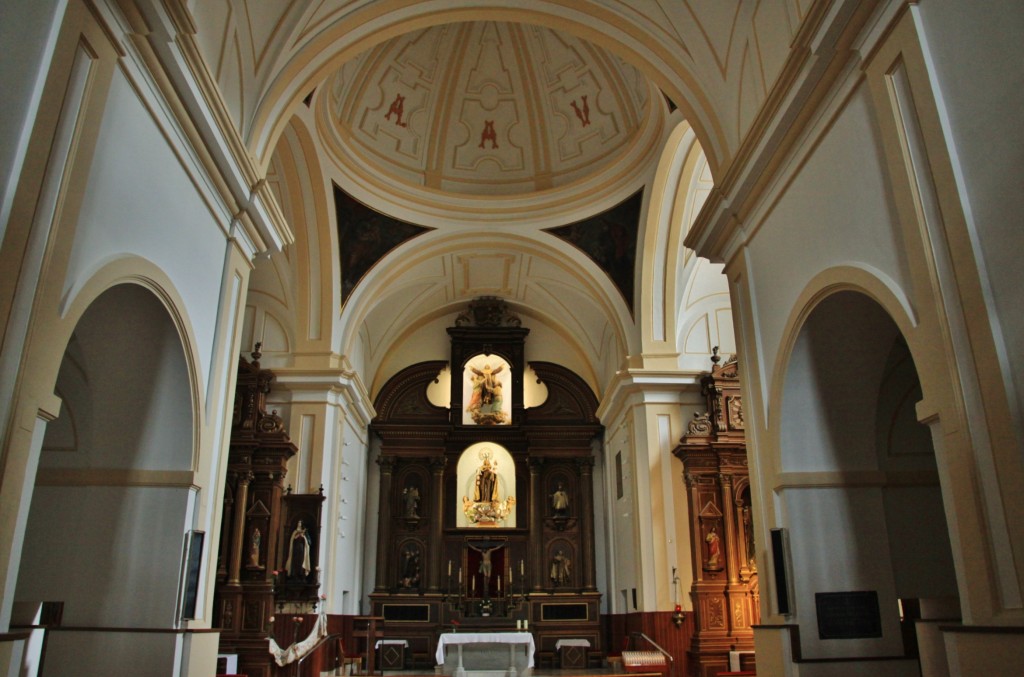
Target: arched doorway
{"x":113,"y":496}
{"x":859,"y":493}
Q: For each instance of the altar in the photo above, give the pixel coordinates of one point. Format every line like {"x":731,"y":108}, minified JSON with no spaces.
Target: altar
{"x":508,"y":654}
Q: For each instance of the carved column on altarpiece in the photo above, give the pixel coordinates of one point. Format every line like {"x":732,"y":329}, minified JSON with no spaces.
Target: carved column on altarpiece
{"x":732,"y":566}
{"x":586,"y":469}
{"x":536,"y":521}
{"x":238,"y":528}
{"x":387,"y":468}
{"x":437,"y":466}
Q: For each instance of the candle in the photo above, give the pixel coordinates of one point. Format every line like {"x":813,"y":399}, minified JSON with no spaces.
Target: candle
{"x":460,"y":575}
{"x":499,"y":585}
{"x":522,"y":570}
{"x":474,"y":585}
{"x":449,"y":568}
{"x":510,"y":575}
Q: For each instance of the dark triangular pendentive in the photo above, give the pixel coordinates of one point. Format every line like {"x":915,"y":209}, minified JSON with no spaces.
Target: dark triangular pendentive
{"x":365,"y":236}
{"x":609,"y":239}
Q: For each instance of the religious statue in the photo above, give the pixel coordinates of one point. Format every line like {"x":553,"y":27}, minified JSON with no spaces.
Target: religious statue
{"x":714,"y":549}
{"x":485,"y":489}
{"x":410,"y":568}
{"x":486,"y":507}
{"x":560,"y":501}
{"x":485,"y":560}
{"x":254,"y":548}
{"x":486,"y":400}
{"x":411,"y":496}
{"x":298,"y":564}
{"x":561,"y":568}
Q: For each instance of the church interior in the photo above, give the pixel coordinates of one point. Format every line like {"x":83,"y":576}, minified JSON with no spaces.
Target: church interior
{"x":674,"y":337}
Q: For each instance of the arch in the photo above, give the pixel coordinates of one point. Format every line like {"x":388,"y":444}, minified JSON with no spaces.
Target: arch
{"x":343,"y":39}
{"x":412,"y":286}
{"x":849,"y":503}
{"x":852,"y":277}
{"x":139,"y":271}
{"x":107,"y":516}
{"x":315,"y":265}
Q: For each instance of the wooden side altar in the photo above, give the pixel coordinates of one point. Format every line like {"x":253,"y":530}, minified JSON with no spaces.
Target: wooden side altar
{"x":725,"y":590}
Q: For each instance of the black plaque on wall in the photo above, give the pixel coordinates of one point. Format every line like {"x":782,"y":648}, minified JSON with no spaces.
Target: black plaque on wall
{"x":779,"y":568}
{"x":192,"y":558}
{"x":848,"y":615}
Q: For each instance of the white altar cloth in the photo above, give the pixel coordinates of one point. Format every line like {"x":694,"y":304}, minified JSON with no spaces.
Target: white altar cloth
{"x":512,"y":639}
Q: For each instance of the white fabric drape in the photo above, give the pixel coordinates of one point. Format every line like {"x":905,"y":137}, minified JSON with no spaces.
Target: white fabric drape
{"x":299,"y":649}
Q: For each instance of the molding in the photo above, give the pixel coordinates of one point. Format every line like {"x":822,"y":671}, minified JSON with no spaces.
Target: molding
{"x":162,"y":34}
{"x":654,"y":387}
{"x":847,"y":479}
{"x":337,"y":387}
{"x":818,"y":60}
{"x":115,"y":477}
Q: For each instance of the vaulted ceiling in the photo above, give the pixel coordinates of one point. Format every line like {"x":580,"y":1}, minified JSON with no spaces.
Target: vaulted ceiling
{"x":492,"y":124}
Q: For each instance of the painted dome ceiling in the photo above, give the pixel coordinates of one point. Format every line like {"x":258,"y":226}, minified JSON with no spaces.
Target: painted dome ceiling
{"x":490,"y":109}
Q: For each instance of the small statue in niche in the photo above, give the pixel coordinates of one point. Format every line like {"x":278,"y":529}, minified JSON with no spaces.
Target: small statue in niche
{"x":298,"y":563}
{"x":485,"y":489}
{"x":410,"y":568}
{"x":714,"y":550}
{"x":560,"y":501}
{"x":561,"y":568}
{"x":411,"y":496}
{"x":486,"y":400}
{"x":254,"y":547}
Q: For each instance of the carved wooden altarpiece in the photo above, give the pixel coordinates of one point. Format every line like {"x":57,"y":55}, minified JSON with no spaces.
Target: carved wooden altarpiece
{"x":259,"y":519}
{"x":453,"y":550}
{"x":725,"y":590}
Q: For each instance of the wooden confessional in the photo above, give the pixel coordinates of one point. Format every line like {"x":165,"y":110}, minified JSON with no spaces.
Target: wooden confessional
{"x":270,"y":537}
{"x":725,"y":589}
{"x":486,"y":507}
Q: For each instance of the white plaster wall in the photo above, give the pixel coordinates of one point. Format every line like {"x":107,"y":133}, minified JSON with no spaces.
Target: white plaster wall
{"x":836,"y":212}
{"x":140,"y":201}
{"x":79,"y":654}
{"x":346,"y":568}
{"x":112,"y":554}
{"x":838,"y":543}
{"x":974,"y":51}
{"x":27,"y":31}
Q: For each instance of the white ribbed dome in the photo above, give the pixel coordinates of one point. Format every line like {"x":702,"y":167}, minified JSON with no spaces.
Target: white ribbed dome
{"x":485,"y":108}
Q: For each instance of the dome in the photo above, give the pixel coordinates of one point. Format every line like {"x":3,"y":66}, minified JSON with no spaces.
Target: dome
{"x":502,"y":110}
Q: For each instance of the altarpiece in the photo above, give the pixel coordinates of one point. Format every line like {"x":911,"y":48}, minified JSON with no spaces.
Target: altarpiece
{"x":486,"y":506}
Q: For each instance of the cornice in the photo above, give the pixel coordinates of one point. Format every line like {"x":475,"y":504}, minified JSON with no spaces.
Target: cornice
{"x":163,"y":33}
{"x":830,"y":37}
{"x":650,"y":386}
{"x":340,"y":387}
